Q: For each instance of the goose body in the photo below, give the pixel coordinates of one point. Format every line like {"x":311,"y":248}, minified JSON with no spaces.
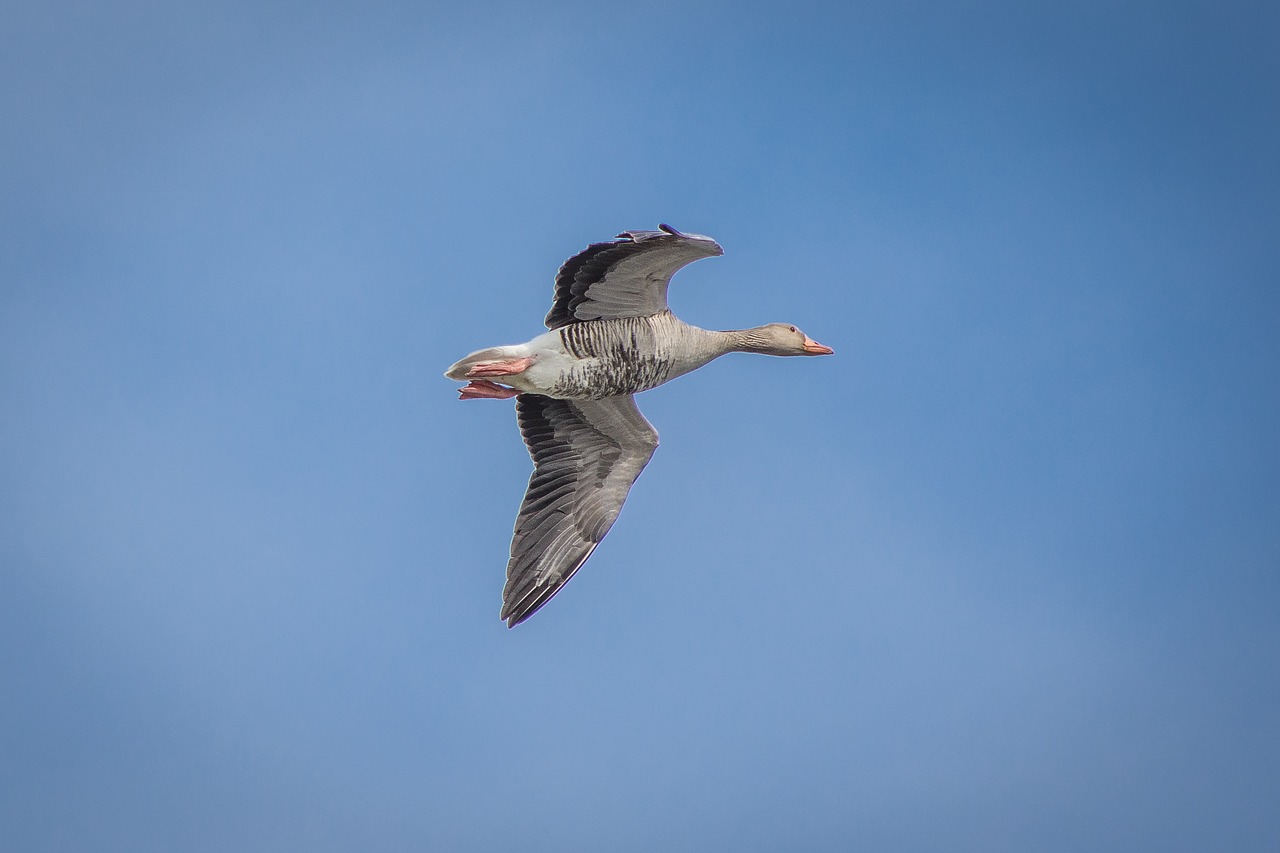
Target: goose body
{"x":611,"y":336}
{"x":604,"y":358}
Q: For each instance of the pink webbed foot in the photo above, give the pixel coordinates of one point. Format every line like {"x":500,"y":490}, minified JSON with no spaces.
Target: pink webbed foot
{"x":483,"y":389}
{"x":500,"y":368}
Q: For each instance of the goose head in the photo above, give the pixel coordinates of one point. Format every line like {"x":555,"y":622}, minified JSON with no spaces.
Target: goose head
{"x":781,"y":339}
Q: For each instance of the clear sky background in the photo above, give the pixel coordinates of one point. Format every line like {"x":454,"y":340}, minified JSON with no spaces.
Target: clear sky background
{"x":1002,"y":575}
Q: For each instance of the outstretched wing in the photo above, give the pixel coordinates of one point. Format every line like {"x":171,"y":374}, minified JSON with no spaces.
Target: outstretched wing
{"x":586,"y":454}
{"x":627,"y":277}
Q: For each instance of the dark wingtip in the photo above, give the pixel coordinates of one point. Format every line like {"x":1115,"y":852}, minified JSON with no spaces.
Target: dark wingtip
{"x":662,"y":226}
{"x":515,"y":611}
{"x":513,"y":619}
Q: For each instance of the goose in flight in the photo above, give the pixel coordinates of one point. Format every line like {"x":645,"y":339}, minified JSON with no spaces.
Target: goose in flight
{"x":612,"y":336}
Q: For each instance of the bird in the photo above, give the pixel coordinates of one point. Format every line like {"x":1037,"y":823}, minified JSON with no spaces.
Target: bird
{"x":612,"y":335}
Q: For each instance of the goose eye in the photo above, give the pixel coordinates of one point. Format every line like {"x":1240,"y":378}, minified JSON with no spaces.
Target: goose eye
{"x":794,"y":329}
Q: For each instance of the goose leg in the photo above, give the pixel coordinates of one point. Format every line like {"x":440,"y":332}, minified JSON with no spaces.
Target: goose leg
{"x":483,"y":389}
{"x":500,"y":368}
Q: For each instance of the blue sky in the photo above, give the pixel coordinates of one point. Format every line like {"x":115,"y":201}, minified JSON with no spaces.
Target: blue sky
{"x":1000,"y":575}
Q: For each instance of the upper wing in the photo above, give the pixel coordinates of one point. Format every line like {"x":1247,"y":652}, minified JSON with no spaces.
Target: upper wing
{"x":627,"y":277}
{"x":586,"y":454}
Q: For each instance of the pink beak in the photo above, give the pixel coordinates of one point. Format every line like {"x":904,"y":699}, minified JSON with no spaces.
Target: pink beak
{"x":812,"y":347}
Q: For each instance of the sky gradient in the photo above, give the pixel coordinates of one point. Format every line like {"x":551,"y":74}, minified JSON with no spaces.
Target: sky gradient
{"x":1003,"y":574}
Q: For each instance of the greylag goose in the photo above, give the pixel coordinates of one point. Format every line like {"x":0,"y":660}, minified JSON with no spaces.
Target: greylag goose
{"x":612,"y":336}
